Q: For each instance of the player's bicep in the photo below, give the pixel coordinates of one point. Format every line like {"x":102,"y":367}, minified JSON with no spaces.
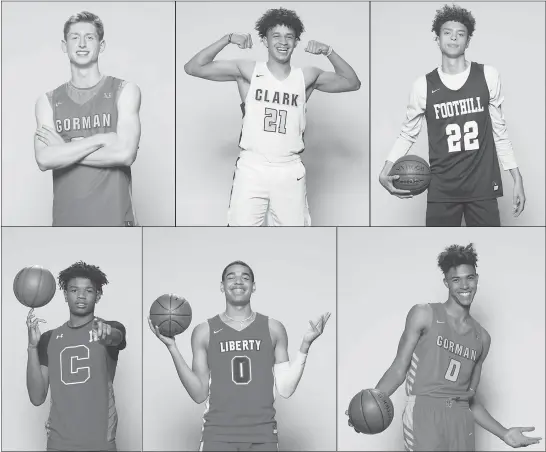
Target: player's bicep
{"x":416,"y":321}
{"x":280,"y":340}
{"x":217,"y":71}
{"x":128,"y":126}
{"x":200,"y":366}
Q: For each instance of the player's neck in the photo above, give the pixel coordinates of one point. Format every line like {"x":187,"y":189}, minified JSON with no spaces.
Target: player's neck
{"x":455,"y":310}
{"x":278,"y":69}
{"x":238,"y":312}
{"x":454,"y":66}
{"x":85,"y":77}
{"x":77,"y":320}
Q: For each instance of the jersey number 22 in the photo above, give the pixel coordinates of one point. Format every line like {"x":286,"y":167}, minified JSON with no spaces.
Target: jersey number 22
{"x":470,"y":138}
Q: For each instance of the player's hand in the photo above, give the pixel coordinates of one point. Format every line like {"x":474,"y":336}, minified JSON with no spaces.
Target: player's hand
{"x":242,"y":40}
{"x":514,"y":437}
{"x":33,"y":326}
{"x":102,"y":332}
{"x":518,"y":199}
{"x":48,"y":136}
{"x":168,"y":341}
{"x":316,"y":327}
{"x":349,"y":421}
{"x":317,"y":48}
{"x":387,"y":182}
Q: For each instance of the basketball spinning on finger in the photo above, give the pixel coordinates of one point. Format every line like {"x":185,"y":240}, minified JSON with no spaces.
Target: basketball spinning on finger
{"x":34,"y":286}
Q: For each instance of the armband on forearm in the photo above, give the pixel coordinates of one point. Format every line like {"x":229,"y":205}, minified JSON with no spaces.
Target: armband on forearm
{"x":288,"y":375}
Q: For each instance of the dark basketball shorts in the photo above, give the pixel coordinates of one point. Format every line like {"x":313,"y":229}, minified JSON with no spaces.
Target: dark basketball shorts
{"x":438,"y":424}
{"x":235,"y":447}
{"x":476,"y":213}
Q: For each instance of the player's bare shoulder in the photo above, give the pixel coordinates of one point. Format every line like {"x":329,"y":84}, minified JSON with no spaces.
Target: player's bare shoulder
{"x":276,"y":329}
{"x":200,"y":335}
{"x":310,"y":75}
{"x":420,"y":317}
{"x":246,"y":68}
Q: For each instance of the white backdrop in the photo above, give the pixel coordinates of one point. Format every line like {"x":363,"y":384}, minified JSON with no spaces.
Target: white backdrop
{"x":383,"y":272}
{"x":118,"y":253}
{"x":209,"y":117}
{"x":139,"y":48}
{"x":295,"y":282}
{"x":402,"y":53}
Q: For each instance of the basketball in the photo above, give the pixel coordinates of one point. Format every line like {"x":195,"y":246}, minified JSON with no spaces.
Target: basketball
{"x":34,"y":286}
{"x":171,"y":314}
{"x":371,"y":411}
{"x":414,"y":174}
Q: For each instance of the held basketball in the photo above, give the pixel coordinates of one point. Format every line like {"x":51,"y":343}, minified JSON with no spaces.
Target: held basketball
{"x":414,"y":174}
{"x":171,"y":314}
{"x":34,"y":286}
{"x":371,"y":411}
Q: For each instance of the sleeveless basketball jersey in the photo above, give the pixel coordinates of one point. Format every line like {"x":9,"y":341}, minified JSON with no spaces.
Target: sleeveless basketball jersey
{"x":443,"y":360}
{"x":462,"y":153}
{"x":85,"y":195}
{"x":274,"y":115}
{"x":81,"y":372}
{"x":241,"y":394}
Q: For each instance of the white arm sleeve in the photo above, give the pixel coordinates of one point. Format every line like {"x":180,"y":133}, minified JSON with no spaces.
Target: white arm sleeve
{"x":505,"y":151}
{"x":288,"y":375}
{"x":411,"y":126}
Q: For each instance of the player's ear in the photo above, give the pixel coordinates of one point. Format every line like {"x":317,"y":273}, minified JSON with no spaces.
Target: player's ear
{"x":445,"y":283}
{"x":296,"y":42}
{"x":63,"y":46}
{"x":65,"y":295}
{"x":253,"y":287}
{"x":102,"y":46}
{"x":222,"y":287}
{"x":264,"y":42}
{"x":468,"y":42}
{"x":99,"y":295}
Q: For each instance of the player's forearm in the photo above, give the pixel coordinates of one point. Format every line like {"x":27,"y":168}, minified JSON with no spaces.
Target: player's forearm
{"x":116,"y":154}
{"x":391,"y":381}
{"x":66,"y":154}
{"x":516,"y":175}
{"x":486,"y":421}
{"x":188,"y":378}
{"x":344,"y":69}
{"x":288,"y":375}
{"x":36,"y":387}
{"x":205,"y":56}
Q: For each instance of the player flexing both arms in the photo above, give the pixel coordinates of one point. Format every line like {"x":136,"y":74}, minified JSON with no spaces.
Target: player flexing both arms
{"x":78,"y":361}
{"x":270,"y":177}
{"x":440,"y":357}
{"x":461,"y":101}
{"x":88,"y":134}
{"x":239,"y":356}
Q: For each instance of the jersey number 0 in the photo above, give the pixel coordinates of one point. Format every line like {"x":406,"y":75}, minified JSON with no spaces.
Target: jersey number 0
{"x":241,"y":370}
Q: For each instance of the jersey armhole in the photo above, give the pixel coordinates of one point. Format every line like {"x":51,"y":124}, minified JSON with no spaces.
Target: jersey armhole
{"x":42,"y":348}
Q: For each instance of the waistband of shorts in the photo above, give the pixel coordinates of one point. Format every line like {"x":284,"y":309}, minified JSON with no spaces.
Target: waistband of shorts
{"x":261,"y":159}
{"x":448,"y":402}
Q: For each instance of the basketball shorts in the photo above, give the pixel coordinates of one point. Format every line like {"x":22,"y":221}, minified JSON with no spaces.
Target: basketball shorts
{"x":269,"y":194}
{"x":432,"y":423}
{"x":476,"y":213}
{"x":235,"y":447}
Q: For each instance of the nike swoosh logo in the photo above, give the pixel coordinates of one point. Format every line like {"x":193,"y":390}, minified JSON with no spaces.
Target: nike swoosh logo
{"x":434,"y":90}
{"x":218,"y":331}
{"x":259,"y":75}
{"x":300,"y":178}
{"x":437,"y":321}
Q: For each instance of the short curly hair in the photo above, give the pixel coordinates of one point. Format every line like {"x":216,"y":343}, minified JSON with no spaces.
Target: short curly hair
{"x":456,"y":14}
{"x":82,"y":270}
{"x":456,"y":255}
{"x":279,"y":16}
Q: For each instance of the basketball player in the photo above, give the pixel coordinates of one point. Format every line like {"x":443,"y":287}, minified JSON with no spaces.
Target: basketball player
{"x":440,"y":357}
{"x":269,"y":180}
{"x":461,"y":102}
{"x":78,"y":362}
{"x":239,"y":356}
{"x":88,"y":134}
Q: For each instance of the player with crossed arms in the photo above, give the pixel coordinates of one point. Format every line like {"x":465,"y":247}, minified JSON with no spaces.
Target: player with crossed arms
{"x":78,"y":362}
{"x":269,"y":181}
{"x":239,"y":357}
{"x":440,"y":358}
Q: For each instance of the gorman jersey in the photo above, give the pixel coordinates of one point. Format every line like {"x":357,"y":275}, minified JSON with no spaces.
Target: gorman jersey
{"x":443,"y":360}
{"x":85,"y":195}
{"x":83,"y":413}
{"x":463,"y":158}
{"x":274,"y":115}
{"x":241,"y":393}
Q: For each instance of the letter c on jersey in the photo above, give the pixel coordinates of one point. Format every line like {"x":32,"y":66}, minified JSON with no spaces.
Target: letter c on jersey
{"x":71,"y":372}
